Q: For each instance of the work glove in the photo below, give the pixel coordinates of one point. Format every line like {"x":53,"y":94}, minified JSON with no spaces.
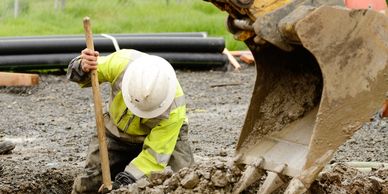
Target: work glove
{"x":121,"y":179}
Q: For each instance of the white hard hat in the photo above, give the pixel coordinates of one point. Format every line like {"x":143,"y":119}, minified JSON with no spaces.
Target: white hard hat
{"x":149,"y":86}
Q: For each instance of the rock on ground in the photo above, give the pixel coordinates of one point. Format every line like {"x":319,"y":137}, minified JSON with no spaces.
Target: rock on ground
{"x":339,"y":179}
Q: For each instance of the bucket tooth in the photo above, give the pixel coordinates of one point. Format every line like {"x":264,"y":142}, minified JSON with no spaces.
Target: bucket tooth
{"x":295,"y":187}
{"x":252,"y":173}
{"x":300,"y":184}
{"x":273,"y":181}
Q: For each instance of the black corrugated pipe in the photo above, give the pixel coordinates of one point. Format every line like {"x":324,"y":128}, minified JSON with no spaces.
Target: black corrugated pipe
{"x":145,"y":44}
{"x":163,"y":34}
{"x":195,"y":60}
{"x":52,"y":61}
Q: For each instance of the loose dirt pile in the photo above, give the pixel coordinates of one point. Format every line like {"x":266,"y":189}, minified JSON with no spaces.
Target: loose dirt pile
{"x":344,"y":179}
{"x":208,"y":177}
{"x":218,"y":176}
{"x":52,"y":123}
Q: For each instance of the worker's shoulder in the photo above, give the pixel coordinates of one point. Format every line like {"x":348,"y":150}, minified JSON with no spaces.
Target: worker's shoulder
{"x":120,"y":57}
{"x":128,"y":53}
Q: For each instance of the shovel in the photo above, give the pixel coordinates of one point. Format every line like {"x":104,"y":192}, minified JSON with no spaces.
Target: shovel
{"x":106,"y":181}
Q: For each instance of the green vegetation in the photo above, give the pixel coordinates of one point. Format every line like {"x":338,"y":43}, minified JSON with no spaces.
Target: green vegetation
{"x":39,"y":17}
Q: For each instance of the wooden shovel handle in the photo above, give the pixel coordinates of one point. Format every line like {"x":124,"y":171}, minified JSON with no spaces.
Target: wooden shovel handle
{"x":107,"y":183}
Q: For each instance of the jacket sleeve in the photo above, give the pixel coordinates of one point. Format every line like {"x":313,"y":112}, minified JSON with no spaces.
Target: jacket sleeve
{"x":75,"y":73}
{"x":158,"y":145}
{"x":108,"y":68}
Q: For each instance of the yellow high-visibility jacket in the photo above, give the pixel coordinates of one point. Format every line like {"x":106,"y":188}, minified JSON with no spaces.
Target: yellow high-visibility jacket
{"x":160,"y":133}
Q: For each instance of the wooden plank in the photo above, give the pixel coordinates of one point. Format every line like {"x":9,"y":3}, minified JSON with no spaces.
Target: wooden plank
{"x":18,"y":79}
{"x":248,"y":59}
{"x":239,"y":53}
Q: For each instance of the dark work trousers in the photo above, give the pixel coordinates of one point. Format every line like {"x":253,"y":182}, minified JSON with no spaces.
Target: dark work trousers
{"x":121,"y":153}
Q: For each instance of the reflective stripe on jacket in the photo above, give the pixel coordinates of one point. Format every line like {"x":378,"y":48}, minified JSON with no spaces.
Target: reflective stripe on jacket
{"x":160,"y":133}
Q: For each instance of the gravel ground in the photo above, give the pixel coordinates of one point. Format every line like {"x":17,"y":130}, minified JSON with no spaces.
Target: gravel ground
{"x":52,"y":123}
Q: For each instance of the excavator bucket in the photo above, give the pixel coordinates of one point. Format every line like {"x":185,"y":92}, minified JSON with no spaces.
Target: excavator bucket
{"x":322,"y":71}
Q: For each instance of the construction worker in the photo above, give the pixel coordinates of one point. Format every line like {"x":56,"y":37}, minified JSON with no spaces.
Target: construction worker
{"x":6,"y":147}
{"x":145,"y":120}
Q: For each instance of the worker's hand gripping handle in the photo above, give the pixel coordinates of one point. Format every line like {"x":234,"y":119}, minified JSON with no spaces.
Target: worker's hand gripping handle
{"x":107,"y":183}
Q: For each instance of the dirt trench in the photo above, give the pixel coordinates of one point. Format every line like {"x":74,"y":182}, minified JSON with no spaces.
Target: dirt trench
{"x":52,"y":123}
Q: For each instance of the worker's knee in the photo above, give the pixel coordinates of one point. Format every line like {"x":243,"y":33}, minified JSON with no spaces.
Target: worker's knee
{"x":87,"y":182}
{"x":182,"y":156}
{"x":184,"y":133}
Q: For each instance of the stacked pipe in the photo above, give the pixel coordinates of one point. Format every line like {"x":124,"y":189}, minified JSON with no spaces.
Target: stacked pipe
{"x":182,"y":50}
